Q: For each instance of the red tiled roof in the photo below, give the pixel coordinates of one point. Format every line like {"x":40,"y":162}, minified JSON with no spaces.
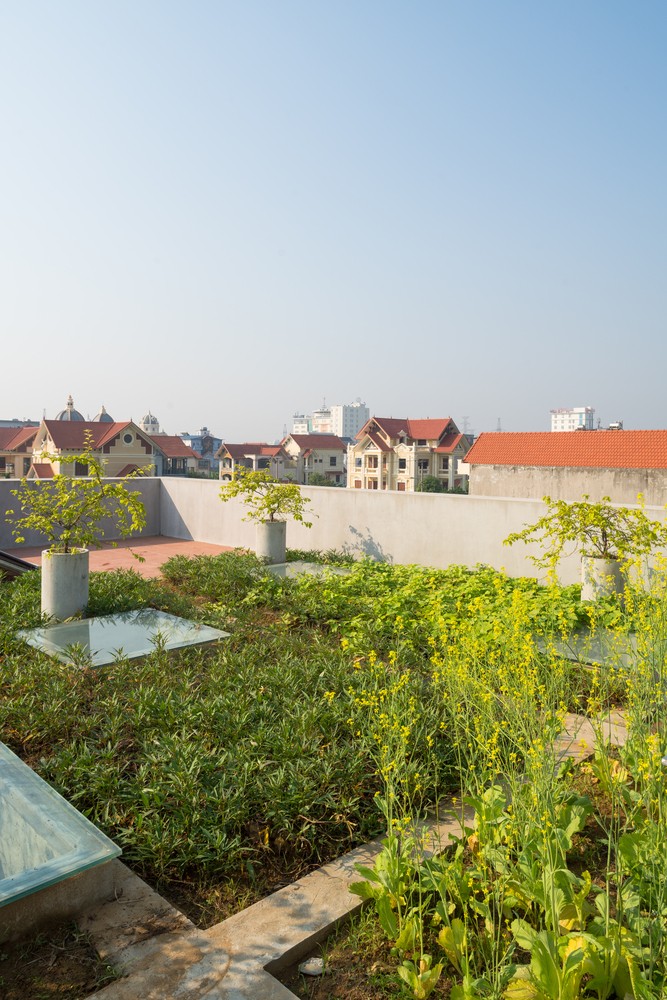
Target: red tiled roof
{"x":126,"y":471}
{"x":448,"y":444}
{"x":379,"y":442}
{"x":428,"y":430}
{"x":431,"y":430}
{"x":319,"y":442}
{"x":12,"y":438}
{"x":573,"y":449}
{"x":247,"y":449}
{"x":173,"y":446}
{"x":42,"y":470}
{"x":69,"y":435}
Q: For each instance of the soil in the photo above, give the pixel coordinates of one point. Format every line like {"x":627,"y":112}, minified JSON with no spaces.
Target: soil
{"x":61,"y":963}
{"x":357,"y":966}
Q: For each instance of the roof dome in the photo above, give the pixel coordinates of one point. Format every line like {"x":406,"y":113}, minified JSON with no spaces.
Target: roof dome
{"x":103,"y":417}
{"x":69,"y":413}
{"x":150,"y":424}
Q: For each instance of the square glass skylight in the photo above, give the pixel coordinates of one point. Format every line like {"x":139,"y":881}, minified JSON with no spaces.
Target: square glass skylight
{"x":43,"y":838}
{"x":97,"y":642}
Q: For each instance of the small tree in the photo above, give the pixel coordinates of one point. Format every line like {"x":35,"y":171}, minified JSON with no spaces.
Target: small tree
{"x":598,"y":529}
{"x":266,"y":498}
{"x":319,"y":479}
{"x":69,"y":509}
{"x":430,"y":484}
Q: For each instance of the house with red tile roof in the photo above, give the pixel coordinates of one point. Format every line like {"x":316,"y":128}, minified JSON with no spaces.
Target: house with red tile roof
{"x":397,"y":454}
{"x":120,"y":445}
{"x":619,"y":464}
{"x":178,"y":458}
{"x":315,"y":453}
{"x":251,"y":455}
{"x":16,"y":450}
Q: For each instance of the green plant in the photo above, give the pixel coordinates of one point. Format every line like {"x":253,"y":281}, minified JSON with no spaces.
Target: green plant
{"x":266,"y":498}
{"x":599,"y":529}
{"x":70,"y":510}
{"x":430,"y":484}
{"x":319,"y":479}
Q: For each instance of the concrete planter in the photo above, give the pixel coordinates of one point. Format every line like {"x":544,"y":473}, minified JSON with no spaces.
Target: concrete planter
{"x":270,"y":541}
{"x":600,"y":578}
{"x":64,"y":583}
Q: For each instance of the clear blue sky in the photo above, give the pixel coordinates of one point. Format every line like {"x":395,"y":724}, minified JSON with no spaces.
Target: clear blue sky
{"x":227,"y":211}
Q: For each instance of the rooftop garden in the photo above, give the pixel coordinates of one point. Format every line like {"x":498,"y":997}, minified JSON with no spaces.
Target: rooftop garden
{"x":347,"y":706}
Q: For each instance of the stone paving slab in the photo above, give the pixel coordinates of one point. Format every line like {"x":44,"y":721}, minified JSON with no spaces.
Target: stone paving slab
{"x":163,"y":955}
{"x":580,"y":736}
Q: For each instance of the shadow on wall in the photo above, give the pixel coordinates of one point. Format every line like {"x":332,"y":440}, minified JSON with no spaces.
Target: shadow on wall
{"x":171,"y":521}
{"x":364,"y":544}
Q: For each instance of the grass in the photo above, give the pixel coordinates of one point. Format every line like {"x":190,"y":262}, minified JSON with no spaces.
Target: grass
{"x":342,"y":706}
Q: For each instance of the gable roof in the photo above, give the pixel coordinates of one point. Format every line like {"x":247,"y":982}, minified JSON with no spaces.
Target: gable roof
{"x":173,"y":446}
{"x":317,"y":442}
{"x":427,"y":430}
{"x":40,"y":470}
{"x":449,"y":443}
{"x":572,"y":449}
{"x":12,"y":438}
{"x":249,"y":448}
{"x":69,"y":435}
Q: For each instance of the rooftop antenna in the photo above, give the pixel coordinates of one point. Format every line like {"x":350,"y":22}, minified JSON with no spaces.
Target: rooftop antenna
{"x":466,"y":424}
{"x":498,"y":427}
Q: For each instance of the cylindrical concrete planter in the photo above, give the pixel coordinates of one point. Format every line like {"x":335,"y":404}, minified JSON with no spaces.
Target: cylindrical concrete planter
{"x":64,"y":583}
{"x":600,"y":578}
{"x":270,"y":541}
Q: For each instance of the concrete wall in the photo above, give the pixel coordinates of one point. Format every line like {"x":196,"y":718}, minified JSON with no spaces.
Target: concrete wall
{"x":428,"y":528}
{"x":622,"y":485}
{"x":149,"y":488}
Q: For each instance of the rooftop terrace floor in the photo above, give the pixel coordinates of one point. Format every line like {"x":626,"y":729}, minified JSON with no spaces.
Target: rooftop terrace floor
{"x":155,"y":551}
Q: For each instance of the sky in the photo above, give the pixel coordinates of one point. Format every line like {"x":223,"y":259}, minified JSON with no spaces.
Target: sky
{"x":227,"y":212}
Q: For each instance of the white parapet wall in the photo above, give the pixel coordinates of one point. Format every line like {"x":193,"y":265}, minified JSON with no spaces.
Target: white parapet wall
{"x":430,"y":529}
{"x":148,"y":487}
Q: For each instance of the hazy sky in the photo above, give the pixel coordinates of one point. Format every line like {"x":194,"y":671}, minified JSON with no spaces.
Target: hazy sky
{"x":225,"y":212}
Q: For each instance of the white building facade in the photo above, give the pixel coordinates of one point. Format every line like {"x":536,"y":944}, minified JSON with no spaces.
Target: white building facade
{"x":345,"y":420}
{"x":573,"y":419}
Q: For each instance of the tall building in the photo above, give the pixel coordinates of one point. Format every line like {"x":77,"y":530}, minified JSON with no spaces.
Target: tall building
{"x":573,"y":419}
{"x":345,"y":420}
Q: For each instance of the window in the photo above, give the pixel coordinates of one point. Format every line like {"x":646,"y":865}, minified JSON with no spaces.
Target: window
{"x":2,"y":464}
{"x":402,"y":463}
{"x":333,"y":461}
{"x":401,"y":487}
{"x":80,"y":468}
{"x":444,"y":463}
{"x":371,"y":461}
{"x":357,"y":463}
{"x":372,"y":484}
{"x":422,"y":464}
{"x":357,"y":484}
{"x":263,"y":463}
{"x":421,"y":441}
{"x":128,"y":438}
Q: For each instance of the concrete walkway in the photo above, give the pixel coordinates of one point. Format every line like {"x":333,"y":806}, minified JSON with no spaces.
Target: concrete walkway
{"x":155,"y":551}
{"x":163,"y":955}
